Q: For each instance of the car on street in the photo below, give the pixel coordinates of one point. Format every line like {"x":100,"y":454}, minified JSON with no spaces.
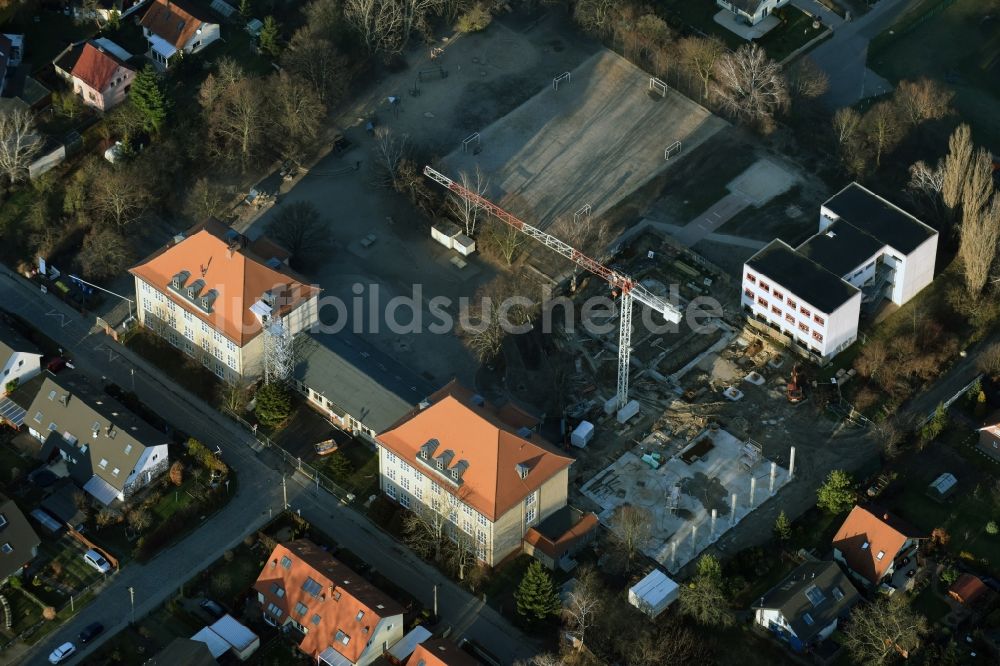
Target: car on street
{"x":96,"y":560}
{"x":62,"y":653}
{"x":90,"y":632}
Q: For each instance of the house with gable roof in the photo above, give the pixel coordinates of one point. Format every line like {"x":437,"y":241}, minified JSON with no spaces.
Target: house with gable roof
{"x":211,"y":293}
{"x":98,"y":72}
{"x":339,"y":618}
{"x":806,"y":606}
{"x":176,"y":27}
{"x":877,"y":549}
{"x":18,"y":541}
{"x":481,"y":467}
{"x":440,"y":652}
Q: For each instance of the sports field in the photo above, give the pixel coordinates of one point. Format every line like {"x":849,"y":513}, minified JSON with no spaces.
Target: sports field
{"x":594,"y":140}
{"x":957,"y":43}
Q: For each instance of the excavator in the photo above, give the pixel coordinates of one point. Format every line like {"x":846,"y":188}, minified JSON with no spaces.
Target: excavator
{"x":793,"y":391}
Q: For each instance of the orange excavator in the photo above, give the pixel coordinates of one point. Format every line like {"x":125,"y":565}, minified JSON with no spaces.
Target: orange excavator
{"x":793,"y":391}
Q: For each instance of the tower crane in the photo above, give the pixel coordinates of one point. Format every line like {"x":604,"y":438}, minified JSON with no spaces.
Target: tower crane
{"x":628,"y":288}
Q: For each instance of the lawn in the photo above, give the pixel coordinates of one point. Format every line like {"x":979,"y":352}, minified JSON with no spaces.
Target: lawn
{"x":45,"y":38}
{"x":930,"y":605}
{"x":181,"y":368}
{"x":970,"y":65}
{"x":794,"y":32}
{"x":68,"y":552}
{"x":226,"y":580}
{"x":24,"y":611}
{"x":703,"y":193}
{"x":363,"y":479}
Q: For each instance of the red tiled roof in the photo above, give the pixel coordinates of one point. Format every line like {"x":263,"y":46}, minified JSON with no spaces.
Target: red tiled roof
{"x":238,"y":276}
{"x":967,"y":588}
{"x":96,"y":67}
{"x":440,"y":652}
{"x":475,"y":433}
{"x":341,"y":596}
{"x":555,"y":548}
{"x":864,"y":535}
{"x":172,"y":21}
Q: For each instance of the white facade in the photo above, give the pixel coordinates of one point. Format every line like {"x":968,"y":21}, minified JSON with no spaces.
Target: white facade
{"x":763,"y":9}
{"x":769,"y":618}
{"x":20,"y":366}
{"x":823,"y":333}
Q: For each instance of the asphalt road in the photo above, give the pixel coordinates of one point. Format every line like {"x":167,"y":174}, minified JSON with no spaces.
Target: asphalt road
{"x":260,"y":493}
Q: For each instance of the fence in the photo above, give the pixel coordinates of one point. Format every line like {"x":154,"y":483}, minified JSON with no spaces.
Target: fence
{"x":294,"y":463}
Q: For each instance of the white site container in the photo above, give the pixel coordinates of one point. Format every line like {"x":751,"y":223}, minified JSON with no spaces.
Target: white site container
{"x":653,"y":593}
{"x":630,"y":409}
{"x":582,"y":435}
{"x":463,"y":245}
{"x":445,"y":232}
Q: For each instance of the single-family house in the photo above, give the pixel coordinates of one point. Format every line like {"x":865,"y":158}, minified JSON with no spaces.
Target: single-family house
{"x":176,"y":28}
{"x":18,"y":542}
{"x":109,"y":451}
{"x":97,"y":70}
{"x":877,"y":549}
{"x":751,"y":12}
{"x":339,"y":618}
{"x":806,"y":606}
{"x":989,"y":436}
{"x":183,"y":651}
{"x":212,"y":293}
{"x":19,"y":360}
{"x":440,"y":652}
{"x":481,"y":467}
{"x":357,"y":387}
{"x":811,"y":297}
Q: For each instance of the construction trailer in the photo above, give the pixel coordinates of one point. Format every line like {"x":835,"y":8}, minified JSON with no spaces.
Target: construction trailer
{"x":654,"y":593}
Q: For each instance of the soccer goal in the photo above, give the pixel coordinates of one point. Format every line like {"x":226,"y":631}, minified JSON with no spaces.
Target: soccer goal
{"x":584,"y":213}
{"x":672,"y":150}
{"x":565,"y":76}
{"x":471,"y":140}
{"x":657,"y":86}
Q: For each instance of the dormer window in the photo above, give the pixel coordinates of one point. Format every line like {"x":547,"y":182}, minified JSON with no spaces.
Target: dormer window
{"x":179,"y":280}
{"x":440,"y":464}
{"x":522,"y":470}
{"x":194,"y":289}
{"x":454,"y":474}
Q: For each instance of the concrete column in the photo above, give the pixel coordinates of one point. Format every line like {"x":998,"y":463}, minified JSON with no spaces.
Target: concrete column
{"x":673,"y":554}
{"x":791,"y":464}
{"x":694,"y":539}
{"x":715,"y":515}
{"x":774,"y":474}
{"x":753,"y":489}
{"x":732,"y":512}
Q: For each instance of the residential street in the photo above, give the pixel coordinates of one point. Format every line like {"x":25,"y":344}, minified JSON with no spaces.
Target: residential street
{"x":259,"y":494}
{"x":843,"y":57}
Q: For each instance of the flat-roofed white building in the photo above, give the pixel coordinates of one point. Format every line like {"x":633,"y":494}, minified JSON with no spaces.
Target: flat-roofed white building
{"x":814,"y":296}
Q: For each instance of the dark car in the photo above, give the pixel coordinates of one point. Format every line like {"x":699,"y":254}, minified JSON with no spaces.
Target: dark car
{"x":212,"y":608}
{"x":90,"y":632}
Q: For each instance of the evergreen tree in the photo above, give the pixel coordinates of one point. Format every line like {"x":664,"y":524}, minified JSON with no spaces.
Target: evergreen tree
{"x":270,"y":37}
{"x":245,"y":10}
{"x":536,"y":596}
{"x":703,"y":599}
{"x":836,"y":495}
{"x":273,"y":404}
{"x":783,"y":527}
{"x":148,"y":98}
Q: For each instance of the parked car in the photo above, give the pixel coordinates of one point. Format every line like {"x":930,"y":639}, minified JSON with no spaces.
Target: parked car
{"x":90,"y":632}
{"x":212,"y":608}
{"x":96,"y":560}
{"x":62,"y":653}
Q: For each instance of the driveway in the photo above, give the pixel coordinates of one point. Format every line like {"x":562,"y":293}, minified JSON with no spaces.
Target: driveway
{"x":844,"y":56}
{"x":259,"y":495}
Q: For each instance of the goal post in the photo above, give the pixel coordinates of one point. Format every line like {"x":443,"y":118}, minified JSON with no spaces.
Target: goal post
{"x":657,"y":86}
{"x":564,"y":77}
{"x":672,"y":150}
{"x":471,"y":140}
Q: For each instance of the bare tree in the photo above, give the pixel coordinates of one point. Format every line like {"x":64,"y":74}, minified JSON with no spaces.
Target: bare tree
{"x":751,"y":86}
{"x":978,"y":185}
{"x":956,"y":166}
{"x":882,"y":631}
{"x":316,"y":60}
{"x":120,"y":196}
{"x":699,"y":56}
{"x":882,"y":129}
{"x":922,"y":100}
{"x":583,"y":604}
{"x":19,"y":143}
{"x":890,"y":433}
{"x":105,"y":254}
{"x":978,"y":238}
{"x":462,"y":552}
{"x":924,"y":188}
{"x":465,"y":211}
{"x":846,"y":125}
{"x":871,"y":362}
{"x":704,"y":599}
{"x":298,"y":115}
{"x":498,"y":305}
{"x":632,"y":527}
{"x":596,"y":16}
{"x":385,"y":25}
{"x":989,"y":360}
{"x":139,"y":519}
{"x":236,"y":113}
{"x":388,"y":152}
{"x":424,"y":531}
{"x":505,"y":239}
{"x":300,"y":229}
{"x":806,"y":80}
{"x":205,"y":200}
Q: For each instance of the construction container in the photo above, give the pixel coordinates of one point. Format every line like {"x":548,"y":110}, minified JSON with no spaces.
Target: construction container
{"x":630,"y":409}
{"x":445,"y":232}
{"x":582,"y":435}
{"x":463,"y":245}
{"x":654,"y":593}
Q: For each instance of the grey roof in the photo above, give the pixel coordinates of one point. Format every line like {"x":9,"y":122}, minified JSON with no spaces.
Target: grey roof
{"x":879,"y":218}
{"x":357,"y":378}
{"x":17,"y":535}
{"x":748,"y":6}
{"x":841,"y":248}
{"x":183,"y":651}
{"x":12,"y":341}
{"x":75,"y":407}
{"x":802,"y":276}
{"x":816,"y":591}
{"x":559,"y":522}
